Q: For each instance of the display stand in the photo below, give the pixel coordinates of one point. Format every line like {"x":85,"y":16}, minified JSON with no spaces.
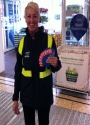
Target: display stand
{"x":43,"y":17}
{"x":75,"y":72}
{"x":17,"y":38}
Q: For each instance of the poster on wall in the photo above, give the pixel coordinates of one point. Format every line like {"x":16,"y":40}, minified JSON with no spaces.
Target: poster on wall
{"x":74,"y":72}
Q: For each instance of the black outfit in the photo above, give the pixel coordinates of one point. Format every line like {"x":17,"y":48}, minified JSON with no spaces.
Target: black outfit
{"x":29,"y":115}
{"x":34,"y":92}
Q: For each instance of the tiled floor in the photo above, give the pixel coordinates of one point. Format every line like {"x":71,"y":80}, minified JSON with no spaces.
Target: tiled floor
{"x":81,"y":104}
{"x":6,"y":84}
{"x":10,"y":60}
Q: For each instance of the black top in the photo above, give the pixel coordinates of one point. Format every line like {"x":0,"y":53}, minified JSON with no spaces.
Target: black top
{"x":34,"y":92}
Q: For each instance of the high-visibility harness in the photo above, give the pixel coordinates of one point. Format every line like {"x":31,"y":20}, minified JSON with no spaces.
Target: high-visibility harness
{"x":28,"y":73}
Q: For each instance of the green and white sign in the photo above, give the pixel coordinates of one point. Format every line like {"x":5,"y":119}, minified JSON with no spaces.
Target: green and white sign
{"x":74,"y":72}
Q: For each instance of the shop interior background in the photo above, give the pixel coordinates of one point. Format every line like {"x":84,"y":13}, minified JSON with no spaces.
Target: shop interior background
{"x":13,"y":22}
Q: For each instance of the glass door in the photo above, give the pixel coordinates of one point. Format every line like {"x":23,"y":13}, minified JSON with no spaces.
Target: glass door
{"x":73,"y":8}
{"x":10,"y":17}
{"x":8,"y":25}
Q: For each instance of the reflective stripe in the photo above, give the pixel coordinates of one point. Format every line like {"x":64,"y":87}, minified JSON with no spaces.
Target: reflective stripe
{"x":44,"y":74}
{"x":26,"y":73}
{"x":49,"y":41}
{"x":47,"y":72}
{"x":20,"y":48}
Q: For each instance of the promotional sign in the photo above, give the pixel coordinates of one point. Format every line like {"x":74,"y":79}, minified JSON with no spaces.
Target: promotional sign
{"x":74,"y":71}
{"x":78,"y":26}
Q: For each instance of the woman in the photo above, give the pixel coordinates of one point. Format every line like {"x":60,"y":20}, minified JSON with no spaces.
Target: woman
{"x":32,"y":80}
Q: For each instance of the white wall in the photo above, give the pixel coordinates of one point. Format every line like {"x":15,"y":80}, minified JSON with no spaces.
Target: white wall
{"x":2,"y":65}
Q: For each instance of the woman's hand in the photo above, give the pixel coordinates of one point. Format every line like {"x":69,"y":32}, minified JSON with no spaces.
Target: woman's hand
{"x":15,"y":108}
{"x":53,"y":61}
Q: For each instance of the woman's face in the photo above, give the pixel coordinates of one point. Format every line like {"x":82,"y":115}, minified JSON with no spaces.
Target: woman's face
{"x":32,"y":19}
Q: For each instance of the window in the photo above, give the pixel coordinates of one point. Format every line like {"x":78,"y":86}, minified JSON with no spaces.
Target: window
{"x":74,"y":8}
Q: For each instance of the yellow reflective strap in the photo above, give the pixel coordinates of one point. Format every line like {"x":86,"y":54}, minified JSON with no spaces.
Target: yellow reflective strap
{"x":44,"y":74}
{"x":20,"y":48}
{"x":49,"y":41}
{"x":47,"y":72}
{"x":26,"y":73}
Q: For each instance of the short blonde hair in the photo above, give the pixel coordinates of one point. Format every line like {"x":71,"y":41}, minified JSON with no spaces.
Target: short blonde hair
{"x":32,"y":5}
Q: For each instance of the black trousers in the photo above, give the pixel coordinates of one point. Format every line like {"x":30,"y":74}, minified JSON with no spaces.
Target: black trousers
{"x":29,"y":115}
